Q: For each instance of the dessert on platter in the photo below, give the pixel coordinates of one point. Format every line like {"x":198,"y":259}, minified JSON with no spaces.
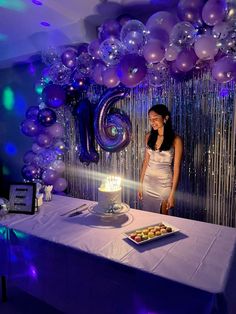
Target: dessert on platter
{"x":150,"y":233}
{"x":109,"y":198}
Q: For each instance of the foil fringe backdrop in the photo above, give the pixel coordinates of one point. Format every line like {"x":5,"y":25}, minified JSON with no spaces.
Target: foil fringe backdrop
{"x":204,"y":115}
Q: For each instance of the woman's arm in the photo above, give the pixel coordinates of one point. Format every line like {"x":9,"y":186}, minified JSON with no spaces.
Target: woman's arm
{"x":178,"y":147}
{"x":143,"y":170}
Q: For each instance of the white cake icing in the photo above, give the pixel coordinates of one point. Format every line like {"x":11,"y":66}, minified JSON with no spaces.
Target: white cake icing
{"x":109,"y":195}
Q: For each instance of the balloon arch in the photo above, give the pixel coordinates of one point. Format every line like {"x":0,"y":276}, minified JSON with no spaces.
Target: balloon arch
{"x":201,"y":35}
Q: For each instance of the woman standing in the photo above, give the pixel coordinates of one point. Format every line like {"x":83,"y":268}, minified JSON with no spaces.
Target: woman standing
{"x":161,"y":166}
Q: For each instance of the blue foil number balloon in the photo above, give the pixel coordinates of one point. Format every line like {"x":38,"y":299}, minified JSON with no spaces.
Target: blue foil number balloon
{"x":112,"y":126}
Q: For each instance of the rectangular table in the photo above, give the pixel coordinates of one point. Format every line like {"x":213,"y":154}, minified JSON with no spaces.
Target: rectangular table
{"x":86,"y":265}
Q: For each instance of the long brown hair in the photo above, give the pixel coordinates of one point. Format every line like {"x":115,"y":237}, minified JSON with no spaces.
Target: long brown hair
{"x":169,"y":134}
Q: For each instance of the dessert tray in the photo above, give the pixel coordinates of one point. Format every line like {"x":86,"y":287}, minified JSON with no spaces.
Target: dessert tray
{"x":151,"y":232}
{"x":94,"y":209}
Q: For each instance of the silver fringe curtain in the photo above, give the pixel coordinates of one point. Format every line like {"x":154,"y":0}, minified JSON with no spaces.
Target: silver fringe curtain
{"x":204,"y":115}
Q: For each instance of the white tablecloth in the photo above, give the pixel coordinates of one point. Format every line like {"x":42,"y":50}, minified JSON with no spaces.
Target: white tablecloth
{"x":87,"y":263}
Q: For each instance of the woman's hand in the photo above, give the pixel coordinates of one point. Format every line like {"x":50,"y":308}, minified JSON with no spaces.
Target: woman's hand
{"x":170,"y":202}
{"x":140,"y":192}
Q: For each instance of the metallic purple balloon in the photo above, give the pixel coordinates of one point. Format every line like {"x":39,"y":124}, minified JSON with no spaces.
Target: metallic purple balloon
{"x":224,"y":70}
{"x":32,"y":112}
{"x":47,"y":117}
{"x":97,"y":72}
{"x":31,"y":172}
{"x":214,"y":12}
{"x":186,"y":60}
{"x":56,"y":130}
{"x":163,"y":20}
{"x":58,"y":165}
{"x":206,"y":47}
{"x":132,"y":70}
{"x":49,"y":176}
{"x":29,"y":157}
{"x":94,"y":49}
{"x":112,"y":127}
{"x":60,"y":185}
{"x":44,"y":140}
{"x":110,"y":28}
{"x":154,"y":51}
{"x":69,"y":57}
{"x":110,"y":77}
{"x":30,"y":127}
{"x":54,"y":95}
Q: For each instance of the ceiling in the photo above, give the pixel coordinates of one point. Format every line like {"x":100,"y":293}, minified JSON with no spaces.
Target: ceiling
{"x":71,"y":21}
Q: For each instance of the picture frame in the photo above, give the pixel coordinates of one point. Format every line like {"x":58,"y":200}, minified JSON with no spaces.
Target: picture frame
{"x":22,"y":198}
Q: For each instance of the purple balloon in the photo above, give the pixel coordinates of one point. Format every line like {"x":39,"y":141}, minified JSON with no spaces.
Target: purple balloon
{"x":47,"y":117}
{"x":44,"y":140}
{"x":132,"y":70}
{"x":29,"y":157}
{"x":190,"y":15}
{"x":82,"y":48}
{"x":224,"y":70}
{"x":112,"y":129}
{"x":56,"y":130}
{"x":214,"y":12}
{"x":172,"y":52}
{"x":31,"y":172}
{"x":110,"y":28}
{"x":60,"y":185}
{"x":206,"y":47}
{"x":94,"y":49}
{"x":154,"y":51}
{"x":58,"y":165}
{"x":45,"y":158}
{"x":186,"y":60}
{"x":157,"y":33}
{"x":97,"y":72}
{"x":190,"y":10}
{"x":36,"y":148}
{"x":49,"y":176}
{"x":32,"y":112}
{"x":124,"y":18}
{"x":177,"y":74}
{"x":110,"y":77}
{"x":54,"y":95}
{"x":163,"y":20}
{"x":69,"y":57}
{"x":30,"y":127}
{"x":59,"y":147}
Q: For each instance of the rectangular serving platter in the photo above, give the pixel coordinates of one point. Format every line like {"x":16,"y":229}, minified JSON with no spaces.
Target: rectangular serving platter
{"x":174,"y":230}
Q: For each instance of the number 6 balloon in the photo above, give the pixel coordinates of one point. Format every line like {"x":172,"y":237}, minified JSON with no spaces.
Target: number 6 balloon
{"x":112,"y":126}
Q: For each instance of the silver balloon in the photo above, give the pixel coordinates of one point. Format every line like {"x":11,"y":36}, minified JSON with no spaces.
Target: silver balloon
{"x":134,"y":36}
{"x":229,"y":44}
{"x":51,"y":55}
{"x":111,"y":51}
{"x":183,"y":34}
{"x":221,"y":30}
{"x":85,"y":63}
{"x":60,"y":74}
{"x":158,"y":74}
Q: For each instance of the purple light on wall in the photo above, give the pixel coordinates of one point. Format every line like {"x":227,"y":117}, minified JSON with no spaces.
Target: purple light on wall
{"x":46,"y":24}
{"x":37,"y":2}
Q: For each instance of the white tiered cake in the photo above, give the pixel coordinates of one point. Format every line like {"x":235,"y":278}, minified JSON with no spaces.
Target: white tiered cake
{"x":109,"y":195}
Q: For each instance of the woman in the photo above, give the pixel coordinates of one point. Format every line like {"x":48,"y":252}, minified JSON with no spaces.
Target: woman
{"x":158,"y":183}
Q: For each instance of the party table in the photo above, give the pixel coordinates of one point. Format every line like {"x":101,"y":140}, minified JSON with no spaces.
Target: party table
{"x":86,"y":264}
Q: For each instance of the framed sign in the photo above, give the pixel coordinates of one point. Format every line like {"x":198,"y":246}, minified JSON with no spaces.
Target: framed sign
{"x":22,"y":198}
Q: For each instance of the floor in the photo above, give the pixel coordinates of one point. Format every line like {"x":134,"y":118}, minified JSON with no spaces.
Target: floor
{"x":20,"y":302}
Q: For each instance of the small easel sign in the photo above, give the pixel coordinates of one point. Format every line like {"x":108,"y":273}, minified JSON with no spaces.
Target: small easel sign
{"x":22,"y":198}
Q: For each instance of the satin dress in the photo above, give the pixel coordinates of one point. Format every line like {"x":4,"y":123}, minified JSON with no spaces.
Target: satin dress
{"x":158,"y":178}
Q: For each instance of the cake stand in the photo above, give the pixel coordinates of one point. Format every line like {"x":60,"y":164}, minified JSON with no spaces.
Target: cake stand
{"x":95,"y":210}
